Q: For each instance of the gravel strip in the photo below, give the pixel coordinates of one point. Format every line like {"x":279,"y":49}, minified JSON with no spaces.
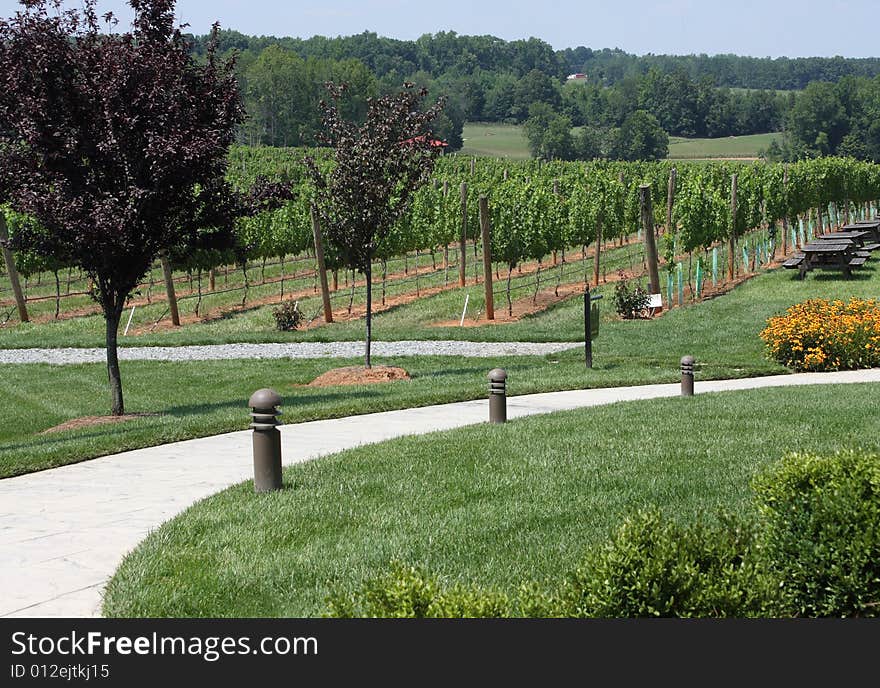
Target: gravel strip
{"x":216,"y":352}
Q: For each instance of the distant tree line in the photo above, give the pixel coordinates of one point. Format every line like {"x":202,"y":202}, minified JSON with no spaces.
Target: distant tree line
{"x":484,"y":78}
{"x":840,"y":118}
{"x":448,"y":52}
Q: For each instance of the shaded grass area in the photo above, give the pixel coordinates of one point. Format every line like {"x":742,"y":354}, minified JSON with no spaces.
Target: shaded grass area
{"x":523,"y":502}
{"x":199,"y":398}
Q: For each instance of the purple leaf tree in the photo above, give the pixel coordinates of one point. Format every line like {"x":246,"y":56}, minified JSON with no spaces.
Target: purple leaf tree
{"x":376,"y":167}
{"x":108,"y":140}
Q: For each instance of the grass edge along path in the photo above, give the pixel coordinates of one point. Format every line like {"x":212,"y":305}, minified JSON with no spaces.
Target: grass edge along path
{"x":522,"y":503}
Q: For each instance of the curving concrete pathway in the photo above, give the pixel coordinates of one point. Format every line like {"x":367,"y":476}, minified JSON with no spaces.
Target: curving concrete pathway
{"x":64,"y":531}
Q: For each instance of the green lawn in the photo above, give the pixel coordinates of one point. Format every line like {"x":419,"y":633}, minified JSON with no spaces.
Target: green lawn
{"x":198,"y":399}
{"x":495,"y":141}
{"x":509,"y":141}
{"x":725,"y":147}
{"x":523,"y":502}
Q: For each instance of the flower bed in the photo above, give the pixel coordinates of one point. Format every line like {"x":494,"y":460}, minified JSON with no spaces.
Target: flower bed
{"x":819,"y":335}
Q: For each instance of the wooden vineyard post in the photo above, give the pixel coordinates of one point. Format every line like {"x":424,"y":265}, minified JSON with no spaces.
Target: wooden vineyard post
{"x":169,"y":289}
{"x":650,"y":242}
{"x":670,"y":198}
{"x":463,"y":239}
{"x":731,"y":242}
{"x":12,"y":272}
{"x":596,"y":258}
{"x":785,"y":216}
{"x":485,"y":231}
{"x":322,"y":269}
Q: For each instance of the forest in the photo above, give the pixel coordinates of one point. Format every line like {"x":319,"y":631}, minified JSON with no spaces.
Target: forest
{"x":825,"y":106}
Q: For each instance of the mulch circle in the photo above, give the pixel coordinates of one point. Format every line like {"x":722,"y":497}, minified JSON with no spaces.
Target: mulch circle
{"x":89,"y":421}
{"x":358,"y":375}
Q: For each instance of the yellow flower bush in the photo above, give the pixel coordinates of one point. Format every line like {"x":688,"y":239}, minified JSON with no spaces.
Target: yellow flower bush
{"x":826,"y":335}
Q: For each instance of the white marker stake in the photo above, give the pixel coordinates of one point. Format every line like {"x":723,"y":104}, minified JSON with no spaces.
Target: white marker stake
{"x":130,"y":316}
{"x":466,"y":299}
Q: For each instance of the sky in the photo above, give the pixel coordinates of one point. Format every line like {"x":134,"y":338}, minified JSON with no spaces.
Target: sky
{"x":767,"y":28}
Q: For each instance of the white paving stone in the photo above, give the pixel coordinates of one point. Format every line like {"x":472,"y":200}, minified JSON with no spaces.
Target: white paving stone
{"x":64,"y":531}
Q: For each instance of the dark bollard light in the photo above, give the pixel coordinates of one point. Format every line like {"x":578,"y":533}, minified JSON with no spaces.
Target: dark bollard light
{"x":687,"y":376}
{"x":267,"y":440}
{"x":498,"y":395}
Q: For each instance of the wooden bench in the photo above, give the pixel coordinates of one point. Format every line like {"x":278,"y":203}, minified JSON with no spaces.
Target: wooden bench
{"x":870,"y":247}
{"x":857,"y":261}
{"x":794,"y":262}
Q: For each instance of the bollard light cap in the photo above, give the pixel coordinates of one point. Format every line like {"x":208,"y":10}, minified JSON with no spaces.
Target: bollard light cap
{"x":264,"y":399}
{"x":687,"y":360}
{"x":497,"y":374}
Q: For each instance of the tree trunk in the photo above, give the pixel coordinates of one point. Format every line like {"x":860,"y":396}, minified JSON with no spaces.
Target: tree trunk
{"x":57,"y":294}
{"x":369,"y":338}
{"x":112,"y":316}
{"x":169,"y":290}
{"x":509,"y":302}
{"x":199,"y":299}
{"x":12,"y":273}
{"x":485,"y":234}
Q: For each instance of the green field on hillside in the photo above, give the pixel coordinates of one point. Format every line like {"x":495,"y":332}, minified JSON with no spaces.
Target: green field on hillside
{"x":509,"y":141}
{"x":495,"y":141}
{"x":725,"y":147}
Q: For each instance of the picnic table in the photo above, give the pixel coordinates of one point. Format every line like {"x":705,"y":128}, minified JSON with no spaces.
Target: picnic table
{"x":827,"y":254}
{"x":859,"y":237}
{"x":872,"y":226}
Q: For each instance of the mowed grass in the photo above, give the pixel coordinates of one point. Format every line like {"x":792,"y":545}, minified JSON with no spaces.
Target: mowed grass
{"x":490,"y":140}
{"x":725,"y":147}
{"x":257,"y":324}
{"x":509,"y":141}
{"x":208,"y":397}
{"x":488,"y":504}
{"x":201,"y":398}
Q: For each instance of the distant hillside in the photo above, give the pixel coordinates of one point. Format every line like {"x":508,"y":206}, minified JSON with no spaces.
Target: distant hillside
{"x":436,"y":54}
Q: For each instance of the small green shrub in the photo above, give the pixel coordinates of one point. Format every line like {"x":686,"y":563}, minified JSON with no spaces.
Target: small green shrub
{"x":629,"y":302}
{"x":820,"y":533}
{"x":408,"y":592}
{"x":652,"y":567}
{"x":288,"y":316}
